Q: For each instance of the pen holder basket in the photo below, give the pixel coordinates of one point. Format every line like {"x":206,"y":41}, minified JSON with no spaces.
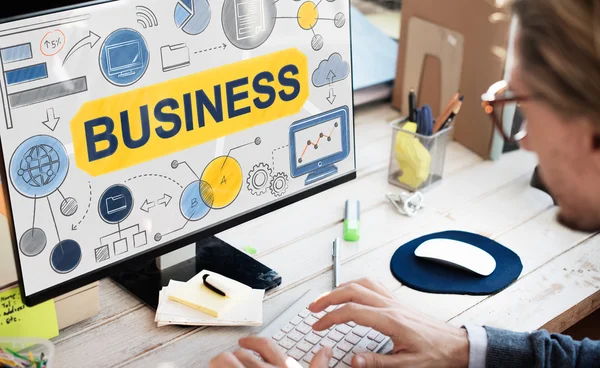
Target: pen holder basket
{"x":25,"y":345}
{"x":416,"y":160}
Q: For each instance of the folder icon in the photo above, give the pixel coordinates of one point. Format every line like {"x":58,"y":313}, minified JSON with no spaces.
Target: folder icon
{"x":174,"y":57}
{"x":116,"y":204}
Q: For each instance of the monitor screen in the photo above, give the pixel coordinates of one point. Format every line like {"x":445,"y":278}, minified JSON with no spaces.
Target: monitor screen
{"x":318,"y":142}
{"x":124,"y":56}
{"x":156,"y":128}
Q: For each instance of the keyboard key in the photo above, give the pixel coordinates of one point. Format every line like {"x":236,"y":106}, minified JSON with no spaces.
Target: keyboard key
{"x":305,"y":313}
{"x":305,"y":346}
{"x":295,"y":335}
{"x":332,"y":363}
{"x":304,"y":328}
{"x":344,"y":329}
{"x":359,"y":349}
{"x":351,"y":324}
{"x":312,"y":338}
{"x":353,"y":339}
{"x":287,"y":328}
{"x":278,"y":335}
{"x":345,"y":346}
{"x":308,"y":357}
{"x":335,"y":336}
{"x":296,"y":353}
{"x":316,"y":349}
{"x":296,"y":320}
{"x":287,"y":343}
{"x":372,"y":335}
{"x":343,"y":365}
{"x":331,"y":328}
{"x":380,"y":338}
{"x":322,"y":333}
{"x":310,"y":320}
{"x":348,"y":358}
{"x":372,"y":346}
{"x":327,"y":342}
{"x":338,"y":354}
{"x":319,"y":315}
{"x":360,"y":331}
{"x":282,"y":349}
{"x":330,"y":309}
{"x":304,"y":364}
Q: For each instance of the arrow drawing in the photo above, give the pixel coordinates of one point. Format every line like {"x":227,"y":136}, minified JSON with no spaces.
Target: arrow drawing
{"x":331,"y":97}
{"x":51,"y":120}
{"x":91,"y":39}
{"x":223,"y":47}
{"x":166,"y":199}
{"x":147,"y":206}
{"x":330,"y":77}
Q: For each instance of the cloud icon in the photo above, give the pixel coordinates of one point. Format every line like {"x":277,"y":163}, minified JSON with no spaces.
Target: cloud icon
{"x":332,"y":70}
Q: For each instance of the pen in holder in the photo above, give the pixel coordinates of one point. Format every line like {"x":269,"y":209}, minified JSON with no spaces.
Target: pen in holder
{"x":416,"y":160}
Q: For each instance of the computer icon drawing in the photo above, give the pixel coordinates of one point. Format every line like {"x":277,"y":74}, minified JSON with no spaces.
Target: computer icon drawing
{"x":249,"y":18}
{"x":317,"y":143}
{"x":124,"y":58}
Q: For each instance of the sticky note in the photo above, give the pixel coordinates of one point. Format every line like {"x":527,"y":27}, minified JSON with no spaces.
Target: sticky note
{"x":16,"y":319}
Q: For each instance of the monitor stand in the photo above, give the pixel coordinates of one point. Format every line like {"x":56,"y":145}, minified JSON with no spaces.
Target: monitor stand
{"x":145,"y":279}
{"x":321,"y":173}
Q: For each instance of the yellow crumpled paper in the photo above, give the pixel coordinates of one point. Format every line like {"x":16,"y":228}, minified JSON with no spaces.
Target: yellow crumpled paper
{"x":413,"y":158}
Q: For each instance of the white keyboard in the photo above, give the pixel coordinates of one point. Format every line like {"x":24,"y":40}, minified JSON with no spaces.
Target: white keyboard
{"x":295,"y":337}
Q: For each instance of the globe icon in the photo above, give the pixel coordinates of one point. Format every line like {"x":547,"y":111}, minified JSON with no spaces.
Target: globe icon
{"x":39,"y":166}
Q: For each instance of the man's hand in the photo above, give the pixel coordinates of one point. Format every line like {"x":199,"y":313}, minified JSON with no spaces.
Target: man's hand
{"x":272,"y":356}
{"x":419,"y":341}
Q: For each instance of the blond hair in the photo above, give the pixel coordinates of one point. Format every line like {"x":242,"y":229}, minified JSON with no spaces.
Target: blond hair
{"x":559,"y":52}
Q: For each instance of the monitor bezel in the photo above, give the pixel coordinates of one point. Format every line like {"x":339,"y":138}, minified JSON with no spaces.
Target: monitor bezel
{"x":106,"y":271}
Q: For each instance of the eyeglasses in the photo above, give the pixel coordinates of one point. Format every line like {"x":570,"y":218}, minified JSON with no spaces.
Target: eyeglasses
{"x":499,"y":99}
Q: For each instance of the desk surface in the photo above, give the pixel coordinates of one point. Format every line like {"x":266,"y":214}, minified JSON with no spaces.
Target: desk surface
{"x":559,"y":284}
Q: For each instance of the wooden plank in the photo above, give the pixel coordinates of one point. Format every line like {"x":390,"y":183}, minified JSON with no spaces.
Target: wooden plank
{"x":555,"y":289}
{"x":115,"y":341}
{"x":114,"y":302}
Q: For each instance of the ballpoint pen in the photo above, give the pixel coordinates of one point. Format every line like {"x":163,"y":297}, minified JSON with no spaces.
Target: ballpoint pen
{"x":336,"y":262}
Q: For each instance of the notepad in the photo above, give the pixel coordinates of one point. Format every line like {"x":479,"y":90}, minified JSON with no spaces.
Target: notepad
{"x":195,"y":294}
{"x":249,"y":312}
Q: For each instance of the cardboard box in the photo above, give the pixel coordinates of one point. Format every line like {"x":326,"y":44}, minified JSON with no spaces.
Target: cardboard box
{"x":484,"y":28}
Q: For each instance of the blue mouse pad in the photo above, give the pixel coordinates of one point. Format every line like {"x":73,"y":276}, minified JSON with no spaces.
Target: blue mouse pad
{"x":428,"y":276}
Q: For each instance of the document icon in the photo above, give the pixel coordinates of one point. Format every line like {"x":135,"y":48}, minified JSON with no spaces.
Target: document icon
{"x":249,"y":18}
{"x":174,"y":57}
{"x":116,"y":204}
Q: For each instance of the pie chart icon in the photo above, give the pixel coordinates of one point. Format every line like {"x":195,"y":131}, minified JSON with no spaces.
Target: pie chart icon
{"x":192,"y":16}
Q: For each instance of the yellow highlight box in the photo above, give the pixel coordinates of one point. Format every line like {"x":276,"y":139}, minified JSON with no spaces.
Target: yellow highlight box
{"x":130,"y":128}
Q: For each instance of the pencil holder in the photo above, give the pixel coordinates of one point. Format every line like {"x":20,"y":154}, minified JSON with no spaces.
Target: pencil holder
{"x":41,"y":350}
{"x":416,"y":160}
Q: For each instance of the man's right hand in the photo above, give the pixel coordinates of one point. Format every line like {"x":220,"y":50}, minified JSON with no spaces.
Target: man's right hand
{"x":419,"y":340}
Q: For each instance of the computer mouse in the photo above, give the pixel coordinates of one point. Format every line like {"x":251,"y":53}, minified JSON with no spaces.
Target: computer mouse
{"x":457,"y":254}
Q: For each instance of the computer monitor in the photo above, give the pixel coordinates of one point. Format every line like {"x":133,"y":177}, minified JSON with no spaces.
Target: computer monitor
{"x":318,"y":142}
{"x":153,"y":130}
{"x":125,"y":58}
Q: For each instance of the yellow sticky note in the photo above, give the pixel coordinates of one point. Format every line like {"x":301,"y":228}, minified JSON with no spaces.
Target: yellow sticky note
{"x":16,"y":319}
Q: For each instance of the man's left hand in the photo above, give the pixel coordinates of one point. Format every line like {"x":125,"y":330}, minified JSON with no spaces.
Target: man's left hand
{"x":271,"y":355}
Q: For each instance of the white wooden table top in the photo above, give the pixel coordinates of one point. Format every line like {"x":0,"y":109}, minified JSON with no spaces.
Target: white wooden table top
{"x":559,"y":284}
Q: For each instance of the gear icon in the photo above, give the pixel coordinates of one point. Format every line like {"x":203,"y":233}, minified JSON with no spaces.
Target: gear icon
{"x":259,"y":179}
{"x":279,"y":184}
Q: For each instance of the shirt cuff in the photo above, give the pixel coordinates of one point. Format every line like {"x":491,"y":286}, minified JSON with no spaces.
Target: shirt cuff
{"x":478,"y":342}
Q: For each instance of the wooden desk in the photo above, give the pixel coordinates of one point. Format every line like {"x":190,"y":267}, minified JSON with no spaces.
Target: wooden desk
{"x":559,"y":284}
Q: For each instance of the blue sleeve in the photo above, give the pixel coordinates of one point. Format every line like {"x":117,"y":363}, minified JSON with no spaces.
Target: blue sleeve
{"x":539,"y":349}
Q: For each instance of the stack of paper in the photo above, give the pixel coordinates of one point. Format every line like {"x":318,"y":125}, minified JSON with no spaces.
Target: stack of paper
{"x":192,"y":303}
